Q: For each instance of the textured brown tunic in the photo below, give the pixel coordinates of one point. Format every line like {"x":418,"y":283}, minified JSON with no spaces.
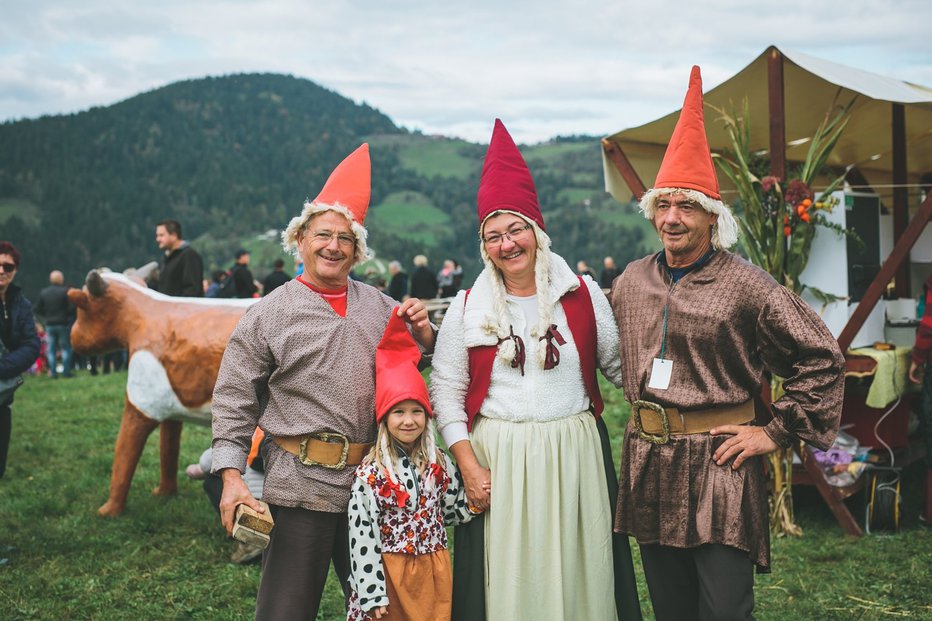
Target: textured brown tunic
{"x":728,"y":321}
{"x":293,"y":367}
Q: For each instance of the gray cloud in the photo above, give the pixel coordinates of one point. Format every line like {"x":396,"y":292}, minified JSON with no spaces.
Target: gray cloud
{"x":548,"y":67}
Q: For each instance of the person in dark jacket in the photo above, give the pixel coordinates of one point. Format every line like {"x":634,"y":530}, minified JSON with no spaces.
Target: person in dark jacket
{"x":182,"y":272}
{"x":610,"y":272}
{"x":18,"y":334}
{"x":276,"y":279}
{"x":423,"y":281}
{"x":242,"y":276}
{"x":57,"y":314}
{"x":398,"y":285}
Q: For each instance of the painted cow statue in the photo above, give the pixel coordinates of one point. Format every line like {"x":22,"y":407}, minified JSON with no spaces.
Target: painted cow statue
{"x":175,"y":346}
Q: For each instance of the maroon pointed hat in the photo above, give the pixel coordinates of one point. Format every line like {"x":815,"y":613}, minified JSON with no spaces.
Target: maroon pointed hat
{"x":506,"y":180}
{"x":688,"y":161}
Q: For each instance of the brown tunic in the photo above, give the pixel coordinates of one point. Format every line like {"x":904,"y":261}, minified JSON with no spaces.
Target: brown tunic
{"x":293,"y":367}
{"x":728,"y":321}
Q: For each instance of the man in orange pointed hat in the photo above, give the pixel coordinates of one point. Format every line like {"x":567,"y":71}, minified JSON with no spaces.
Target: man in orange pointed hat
{"x":300,"y":365}
{"x":699,"y":327}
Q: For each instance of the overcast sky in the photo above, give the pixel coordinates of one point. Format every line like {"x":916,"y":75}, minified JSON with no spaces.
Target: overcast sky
{"x":546,"y":68}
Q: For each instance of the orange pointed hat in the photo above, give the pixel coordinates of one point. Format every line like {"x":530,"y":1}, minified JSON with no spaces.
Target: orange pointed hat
{"x":506,"y":181}
{"x":396,"y":375}
{"x":688,"y":161}
{"x":350,"y":184}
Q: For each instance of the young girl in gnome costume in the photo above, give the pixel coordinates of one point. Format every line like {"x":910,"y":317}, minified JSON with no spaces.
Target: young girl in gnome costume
{"x":404,"y":493}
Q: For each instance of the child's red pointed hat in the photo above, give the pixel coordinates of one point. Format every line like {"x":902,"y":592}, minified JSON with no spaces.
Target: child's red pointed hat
{"x":396,"y":375}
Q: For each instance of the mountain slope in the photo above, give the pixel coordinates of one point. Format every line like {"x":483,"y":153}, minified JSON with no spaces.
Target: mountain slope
{"x":235,"y":156}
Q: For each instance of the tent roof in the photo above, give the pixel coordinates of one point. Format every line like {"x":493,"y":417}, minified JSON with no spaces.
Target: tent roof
{"x":810,"y":86}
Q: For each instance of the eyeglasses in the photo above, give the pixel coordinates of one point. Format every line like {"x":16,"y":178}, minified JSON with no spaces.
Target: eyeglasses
{"x":343,"y":239}
{"x":8,"y":267}
{"x":513,"y":233}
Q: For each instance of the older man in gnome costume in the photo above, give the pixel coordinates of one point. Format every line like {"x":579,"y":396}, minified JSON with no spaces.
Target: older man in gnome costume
{"x":699,"y":327}
{"x":517,"y":400}
{"x":300,"y":365}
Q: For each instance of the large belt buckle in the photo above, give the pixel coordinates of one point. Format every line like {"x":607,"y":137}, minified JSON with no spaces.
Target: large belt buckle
{"x":325,"y":436}
{"x":664,"y":435}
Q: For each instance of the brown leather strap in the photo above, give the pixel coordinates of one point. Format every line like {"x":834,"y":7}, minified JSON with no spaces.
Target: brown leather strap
{"x":697,"y":421}
{"x":323,"y":452}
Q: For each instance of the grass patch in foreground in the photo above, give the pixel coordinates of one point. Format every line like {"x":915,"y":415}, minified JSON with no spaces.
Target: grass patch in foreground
{"x":167,"y":558}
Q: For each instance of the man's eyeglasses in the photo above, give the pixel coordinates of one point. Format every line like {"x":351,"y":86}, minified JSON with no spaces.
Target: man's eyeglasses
{"x":515,"y":232}
{"x":8,"y":267}
{"x":343,"y":239}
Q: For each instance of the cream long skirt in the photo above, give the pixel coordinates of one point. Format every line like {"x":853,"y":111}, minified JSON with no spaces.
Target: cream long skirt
{"x":548,"y":546}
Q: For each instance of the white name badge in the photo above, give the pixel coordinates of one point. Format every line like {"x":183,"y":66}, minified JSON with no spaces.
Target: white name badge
{"x":660,"y":374}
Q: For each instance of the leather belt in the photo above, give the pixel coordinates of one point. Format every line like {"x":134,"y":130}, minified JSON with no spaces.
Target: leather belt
{"x":327,"y":450}
{"x":656,"y":423}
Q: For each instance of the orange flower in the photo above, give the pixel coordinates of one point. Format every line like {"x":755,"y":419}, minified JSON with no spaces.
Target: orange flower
{"x":805,"y":217}
{"x":786,"y":231}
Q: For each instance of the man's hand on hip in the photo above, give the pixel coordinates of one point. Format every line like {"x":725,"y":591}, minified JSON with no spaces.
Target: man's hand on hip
{"x":745,"y":441}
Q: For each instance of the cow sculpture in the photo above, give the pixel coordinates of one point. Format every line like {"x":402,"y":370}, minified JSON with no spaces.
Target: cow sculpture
{"x":175,"y":346}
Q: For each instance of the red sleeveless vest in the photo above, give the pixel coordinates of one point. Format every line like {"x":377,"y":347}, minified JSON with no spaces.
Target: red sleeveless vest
{"x":580,"y":316}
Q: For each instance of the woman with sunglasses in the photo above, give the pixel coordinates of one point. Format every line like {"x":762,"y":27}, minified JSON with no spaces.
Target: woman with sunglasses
{"x":517,"y":401}
{"x":18,"y":336}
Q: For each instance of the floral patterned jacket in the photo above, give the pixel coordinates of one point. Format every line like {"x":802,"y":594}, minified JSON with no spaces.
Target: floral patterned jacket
{"x":406,"y":516}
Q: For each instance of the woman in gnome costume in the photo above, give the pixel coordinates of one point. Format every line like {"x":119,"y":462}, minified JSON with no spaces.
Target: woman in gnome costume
{"x":517,"y":401}
{"x":405,"y":492}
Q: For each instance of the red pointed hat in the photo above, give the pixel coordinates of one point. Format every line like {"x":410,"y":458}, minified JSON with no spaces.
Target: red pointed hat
{"x":396,"y":375}
{"x":350,"y":184}
{"x":688,"y":161}
{"x":506,"y":180}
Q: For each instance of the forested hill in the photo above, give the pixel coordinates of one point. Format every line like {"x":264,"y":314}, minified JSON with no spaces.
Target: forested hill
{"x":233,"y":157}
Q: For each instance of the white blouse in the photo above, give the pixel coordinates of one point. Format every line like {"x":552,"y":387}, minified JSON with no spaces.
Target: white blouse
{"x":538,"y":395}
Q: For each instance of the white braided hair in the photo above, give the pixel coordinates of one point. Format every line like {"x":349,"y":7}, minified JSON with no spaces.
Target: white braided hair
{"x":724,"y":232}
{"x":499,"y":323}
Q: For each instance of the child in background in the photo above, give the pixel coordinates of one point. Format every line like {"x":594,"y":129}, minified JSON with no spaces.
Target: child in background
{"x":41,"y":365}
{"x":404,"y":493}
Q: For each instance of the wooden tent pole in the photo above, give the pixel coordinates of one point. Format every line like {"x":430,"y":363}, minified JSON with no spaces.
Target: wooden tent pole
{"x":897,"y":256}
{"x":621,"y":162}
{"x":900,"y":194}
{"x":777,"y":113}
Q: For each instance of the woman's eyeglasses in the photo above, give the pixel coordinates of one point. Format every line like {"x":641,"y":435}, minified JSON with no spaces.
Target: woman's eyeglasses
{"x":515,"y":232}
{"x":8,"y":267}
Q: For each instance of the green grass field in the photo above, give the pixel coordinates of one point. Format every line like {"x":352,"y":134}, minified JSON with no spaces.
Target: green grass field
{"x":410,"y":215}
{"x":167,"y":558}
{"x":27,"y":211}
{"x":434,"y":156}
